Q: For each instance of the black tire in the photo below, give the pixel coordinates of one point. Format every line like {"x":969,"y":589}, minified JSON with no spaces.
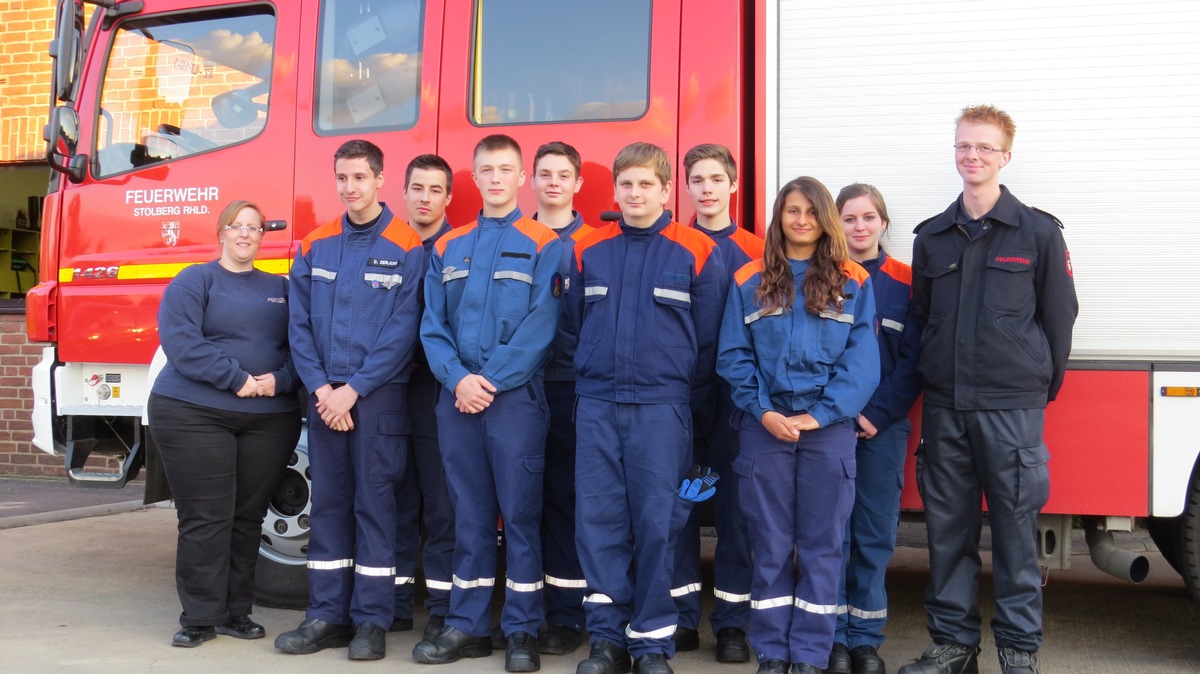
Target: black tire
{"x":1164,"y":531}
{"x":281,"y":574}
{"x":1188,"y":551}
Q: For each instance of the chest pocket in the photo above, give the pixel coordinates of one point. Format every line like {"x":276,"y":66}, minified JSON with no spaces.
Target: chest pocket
{"x":833,"y":331}
{"x":768,"y":331}
{"x":673,"y":311}
{"x":513,"y":279}
{"x":1008,"y":283}
{"x":944,"y":278}
{"x":382,"y":286}
{"x":595,"y":311}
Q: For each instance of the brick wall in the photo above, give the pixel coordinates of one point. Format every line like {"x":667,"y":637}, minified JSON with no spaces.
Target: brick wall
{"x":28,"y":26}
{"x":18,"y":456}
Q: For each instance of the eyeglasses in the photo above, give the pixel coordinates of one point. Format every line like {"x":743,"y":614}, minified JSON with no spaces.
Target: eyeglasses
{"x":245,"y":229}
{"x":983,"y":150}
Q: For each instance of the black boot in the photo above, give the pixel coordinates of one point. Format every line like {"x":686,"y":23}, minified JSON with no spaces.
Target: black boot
{"x":732,"y":646}
{"x":435,"y":625}
{"x":773,"y":667}
{"x":652,"y":663}
{"x":866,"y":660}
{"x":605,"y":658}
{"x":1013,"y":661}
{"x":839,"y":660}
{"x":945,"y":659}
{"x":241,"y":627}
{"x":451,"y":645}
{"x":686,"y":639}
{"x":313,"y":635}
{"x":191,"y":637}
{"x":521,"y":653}
{"x":368,"y":642}
{"x":559,"y":640}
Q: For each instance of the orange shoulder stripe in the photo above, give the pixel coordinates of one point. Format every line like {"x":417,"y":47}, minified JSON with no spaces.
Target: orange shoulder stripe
{"x":399,"y":233}
{"x":747,"y":271}
{"x":750,"y":243}
{"x":597,"y":235}
{"x":584,"y":230}
{"x":694,"y":242}
{"x":536,"y":231}
{"x":855,"y":271}
{"x":323,"y":232}
{"x":440,"y":246}
{"x":897,"y":270}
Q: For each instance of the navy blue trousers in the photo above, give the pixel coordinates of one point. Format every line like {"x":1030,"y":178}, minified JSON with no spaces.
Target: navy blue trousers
{"x":796,"y":497}
{"x":565,"y":586}
{"x":715,"y":444}
{"x":423,"y":509}
{"x":495,"y":462}
{"x":351,"y":545}
{"x":871,"y":536}
{"x":999,"y":455}
{"x":630,"y":460}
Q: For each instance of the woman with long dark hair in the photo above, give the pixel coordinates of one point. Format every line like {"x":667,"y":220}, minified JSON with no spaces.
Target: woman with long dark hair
{"x":224,"y":422}
{"x":798,"y":348}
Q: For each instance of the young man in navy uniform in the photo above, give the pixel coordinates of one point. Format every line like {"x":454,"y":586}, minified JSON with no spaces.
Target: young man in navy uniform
{"x":994,"y":295}
{"x":353,"y":329}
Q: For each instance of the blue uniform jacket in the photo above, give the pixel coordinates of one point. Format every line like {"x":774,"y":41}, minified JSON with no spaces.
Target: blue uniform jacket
{"x":738,"y":246}
{"x":420,"y":364}
{"x":354,"y":307}
{"x":899,"y":342}
{"x":490,"y":301}
{"x":649,"y":312}
{"x":827,"y":365}
{"x":562,"y":359}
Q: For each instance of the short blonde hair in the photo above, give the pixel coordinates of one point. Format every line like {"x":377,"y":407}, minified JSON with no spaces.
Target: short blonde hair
{"x":990,"y":114}
{"x":643,"y":155}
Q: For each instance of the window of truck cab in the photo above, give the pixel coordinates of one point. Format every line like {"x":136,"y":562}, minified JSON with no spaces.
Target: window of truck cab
{"x":181,"y":84}
{"x":368,"y":66}
{"x":536,"y":62}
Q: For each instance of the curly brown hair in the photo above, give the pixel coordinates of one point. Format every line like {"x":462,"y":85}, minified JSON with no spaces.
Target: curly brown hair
{"x":825,"y":278}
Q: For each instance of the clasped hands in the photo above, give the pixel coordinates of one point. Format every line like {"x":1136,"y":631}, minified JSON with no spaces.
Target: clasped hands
{"x":258,"y":385}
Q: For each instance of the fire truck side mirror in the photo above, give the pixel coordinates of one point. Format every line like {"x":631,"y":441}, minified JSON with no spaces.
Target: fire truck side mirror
{"x":66,"y":48}
{"x":62,"y":137}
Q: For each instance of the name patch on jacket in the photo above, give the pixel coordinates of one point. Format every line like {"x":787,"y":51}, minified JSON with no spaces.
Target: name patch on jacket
{"x":523,"y":256}
{"x":378,"y":262}
{"x":1013,"y":259}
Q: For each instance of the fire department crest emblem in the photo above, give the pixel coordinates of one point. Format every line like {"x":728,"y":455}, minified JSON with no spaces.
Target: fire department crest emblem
{"x":170,"y":232}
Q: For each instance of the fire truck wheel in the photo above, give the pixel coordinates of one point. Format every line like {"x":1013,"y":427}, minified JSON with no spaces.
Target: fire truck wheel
{"x":281,"y":575}
{"x":1189,"y":538}
{"x":1164,"y":531}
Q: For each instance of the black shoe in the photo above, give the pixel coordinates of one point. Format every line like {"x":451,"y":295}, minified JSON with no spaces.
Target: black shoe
{"x":435,"y":625}
{"x":499,"y":643}
{"x":732,"y":646}
{"x":191,"y":637}
{"x":805,"y":668}
{"x":773,"y":667}
{"x":652,"y":663}
{"x":559,"y":640}
{"x":1013,"y":661}
{"x":865,"y":660}
{"x":313,"y":635}
{"x":451,"y":645}
{"x":242,"y":627}
{"x":945,"y":659}
{"x":401,"y":625}
{"x":839,"y":660}
{"x":369,"y":642}
{"x":521,"y":653}
{"x":686,"y":639}
{"x":605,"y":658}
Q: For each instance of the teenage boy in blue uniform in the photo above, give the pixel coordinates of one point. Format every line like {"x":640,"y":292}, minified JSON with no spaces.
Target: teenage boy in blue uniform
{"x":491,"y":313}
{"x":353,"y":329}
{"x":556,"y":179}
{"x":648,"y":295}
{"x":996,"y":276}
{"x":711,"y":180}
{"x":422,"y":500}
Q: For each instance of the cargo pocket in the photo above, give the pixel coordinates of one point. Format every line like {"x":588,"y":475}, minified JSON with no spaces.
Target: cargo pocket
{"x":535,"y":466}
{"x":390,"y":447}
{"x":743,"y":472}
{"x":1033,"y":478}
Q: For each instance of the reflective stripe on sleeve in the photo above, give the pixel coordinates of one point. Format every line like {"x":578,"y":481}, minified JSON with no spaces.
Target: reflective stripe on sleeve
{"x":324,"y":273}
{"x":514,"y":275}
{"x":677,"y":295}
{"x":893,"y":324}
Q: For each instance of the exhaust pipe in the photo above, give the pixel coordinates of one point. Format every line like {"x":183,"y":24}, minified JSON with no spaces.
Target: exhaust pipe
{"x":1124,"y":564}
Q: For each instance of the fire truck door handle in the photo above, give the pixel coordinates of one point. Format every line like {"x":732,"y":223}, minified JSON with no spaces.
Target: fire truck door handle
{"x":275,"y":225}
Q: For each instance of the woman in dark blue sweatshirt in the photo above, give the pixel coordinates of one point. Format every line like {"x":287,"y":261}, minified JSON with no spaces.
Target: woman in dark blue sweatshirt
{"x":224,"y":422}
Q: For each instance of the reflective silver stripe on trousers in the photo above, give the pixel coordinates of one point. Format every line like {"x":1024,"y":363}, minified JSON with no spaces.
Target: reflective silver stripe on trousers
{"x":597,"y":598}
{"x":592,"y":291}
{"x":393,"y":279}
{"x":522,"y":587}
{"x":324,"y":273}
{"x":759,"y":314}
{"x":868,"y":615}
{"x":731,"y":597}
{"x":405,"y":580}
{"x":820,"y":609}
{"x":563,"y":582}
{"x":895,"y":325}
{"x":514,"y":275}
{"x":678,"y":295}
{"x":452,"y":275}
{"x":479,"y":582}
{"x":685,"y":590}
{"x":330,"y":565}
{"x":438,"y":584}
{"x":374,"y":571}
{"x":775,"y":602}
{"x":840,"y":318}
{"x":661,"y":633}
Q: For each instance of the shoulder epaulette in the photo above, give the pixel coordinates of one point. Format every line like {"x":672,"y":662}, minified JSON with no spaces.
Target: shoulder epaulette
{"x":926,"y":221}
{"x":1049,"y":215}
